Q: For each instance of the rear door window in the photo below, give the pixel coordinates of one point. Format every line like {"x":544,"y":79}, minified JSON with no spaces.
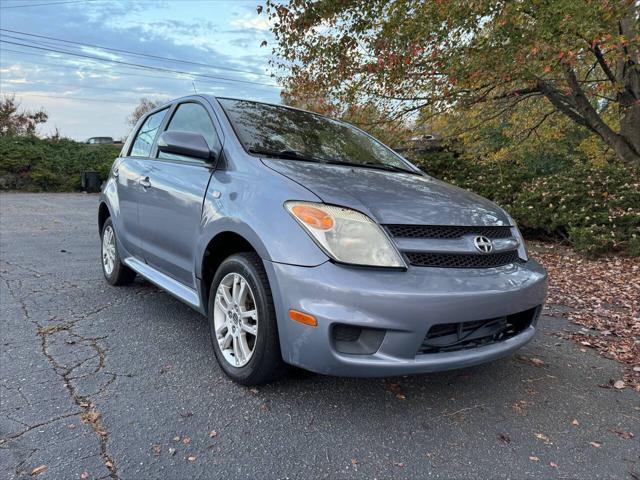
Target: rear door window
{"x":147,"y":135}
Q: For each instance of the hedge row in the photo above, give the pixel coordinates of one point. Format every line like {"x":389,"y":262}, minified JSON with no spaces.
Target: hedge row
{"x":595,"y":208}
{"x":37,"y":165}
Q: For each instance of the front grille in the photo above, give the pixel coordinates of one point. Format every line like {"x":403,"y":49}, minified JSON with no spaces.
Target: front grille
{"x":446,"y":231}
{"x":462,"y":260}
{"x":450,"y":337}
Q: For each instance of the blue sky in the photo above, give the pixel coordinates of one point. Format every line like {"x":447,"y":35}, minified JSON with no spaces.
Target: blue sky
{"x":86,"y":97}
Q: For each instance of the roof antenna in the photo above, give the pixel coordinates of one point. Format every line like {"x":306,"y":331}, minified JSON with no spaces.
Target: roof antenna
{"x":193,"y":82}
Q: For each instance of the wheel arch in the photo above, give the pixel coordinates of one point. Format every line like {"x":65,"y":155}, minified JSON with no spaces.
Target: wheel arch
{"x":103,"y":214}
{"x":220,"y":246}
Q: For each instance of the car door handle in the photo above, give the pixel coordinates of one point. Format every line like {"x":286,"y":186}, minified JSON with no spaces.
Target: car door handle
{"x":116,"y":172}
{"x":145,"y":182}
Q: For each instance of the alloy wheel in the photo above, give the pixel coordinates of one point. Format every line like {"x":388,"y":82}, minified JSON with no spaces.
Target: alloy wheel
{"x":235,"y":319}
{"x":108,"y":250}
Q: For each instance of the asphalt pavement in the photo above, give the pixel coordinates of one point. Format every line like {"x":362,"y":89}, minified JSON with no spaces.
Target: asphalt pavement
{"x":121,"y":382}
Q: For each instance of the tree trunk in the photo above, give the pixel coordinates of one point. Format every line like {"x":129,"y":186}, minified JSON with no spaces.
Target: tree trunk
{"x":629,"y":75}
{"x":630,"y":126}
{"x":619,"y":142}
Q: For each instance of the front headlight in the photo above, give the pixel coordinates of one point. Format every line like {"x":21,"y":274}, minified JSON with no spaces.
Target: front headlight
{"x":346,"y":235}
{"x":522,"y":248}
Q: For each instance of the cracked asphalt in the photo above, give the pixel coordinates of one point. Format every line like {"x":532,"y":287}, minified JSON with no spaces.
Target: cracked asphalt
{"x":121,"y":382}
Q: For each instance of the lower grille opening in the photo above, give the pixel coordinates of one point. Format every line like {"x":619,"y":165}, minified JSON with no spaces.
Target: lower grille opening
{"x":462,"y":260}
{"x":451,"y":337}
{"x":356,"y":340}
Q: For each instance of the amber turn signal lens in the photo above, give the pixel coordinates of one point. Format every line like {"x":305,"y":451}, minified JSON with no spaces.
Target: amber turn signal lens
{"x":303,"y":318}
{"x":314,"y":217}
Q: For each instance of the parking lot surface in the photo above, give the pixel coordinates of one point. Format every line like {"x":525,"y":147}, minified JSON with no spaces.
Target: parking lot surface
{"x":121,"y":382}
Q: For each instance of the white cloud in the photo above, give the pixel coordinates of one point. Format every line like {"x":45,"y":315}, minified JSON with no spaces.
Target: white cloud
{"x":252,"y":22}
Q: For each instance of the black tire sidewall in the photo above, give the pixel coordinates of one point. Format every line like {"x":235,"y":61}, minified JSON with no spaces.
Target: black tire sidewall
{"x":267,"y":328}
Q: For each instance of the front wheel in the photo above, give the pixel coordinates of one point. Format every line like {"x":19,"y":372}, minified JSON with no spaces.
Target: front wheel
{"x":242,"y":321}
{"x":115,"y":272}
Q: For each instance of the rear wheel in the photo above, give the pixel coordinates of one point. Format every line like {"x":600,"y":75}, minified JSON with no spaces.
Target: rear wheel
{"x":242,"y":321}
{"x":115,"y":272}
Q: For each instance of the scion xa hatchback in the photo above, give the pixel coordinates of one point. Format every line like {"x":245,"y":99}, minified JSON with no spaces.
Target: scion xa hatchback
{"x":307,"y":242}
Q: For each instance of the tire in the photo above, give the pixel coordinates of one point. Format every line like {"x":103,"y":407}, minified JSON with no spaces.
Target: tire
{"x":119,"y":273}
{"x":264,"y":363}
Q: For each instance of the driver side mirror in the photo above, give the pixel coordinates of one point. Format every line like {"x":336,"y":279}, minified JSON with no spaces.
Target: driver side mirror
{"x":186,"y":143}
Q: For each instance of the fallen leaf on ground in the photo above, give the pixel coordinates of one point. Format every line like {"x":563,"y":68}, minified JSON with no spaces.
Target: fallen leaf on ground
{"x":38,"y":470}
{"x":264,"y":407}
{"x":553,"y":465}
{"x":575,"y":422}
{"x":176,"y":438}
{"x":253,"y":391}
{"x":186,"y":440}
{"x":623,"y":434}
{"x":537,"y":362}
{"x":397,"y":390}
{"x":84,"y":475}
{"x":504,"y":438}
{"x":191,"y":458}
{"x":544,"y":438}
{"x":398,"y":464}
{"x":172,"y":451}
{"x":534,"y":459}
{"x":109,"y":464}
{"x":354,"y":461}
{"x":157,"y":449}
{"x":520,"y":406}
{"x":619,"y":384}
{"x":213,"y":433}
{"x":595,"y":444}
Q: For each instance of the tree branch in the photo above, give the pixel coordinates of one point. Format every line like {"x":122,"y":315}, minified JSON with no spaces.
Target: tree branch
{"x":603,"y":64}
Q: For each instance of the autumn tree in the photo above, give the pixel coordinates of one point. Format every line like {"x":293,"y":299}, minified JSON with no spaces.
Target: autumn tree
{"x":578,"y":60}
{"x":145,"y":105}
{"x":15,"y":120}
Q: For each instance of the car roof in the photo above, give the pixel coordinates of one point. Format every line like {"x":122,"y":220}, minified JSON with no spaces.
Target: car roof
{"x":216,"y":98}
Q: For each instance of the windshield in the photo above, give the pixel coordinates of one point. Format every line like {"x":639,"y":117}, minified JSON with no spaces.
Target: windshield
{"x":294,"y":134}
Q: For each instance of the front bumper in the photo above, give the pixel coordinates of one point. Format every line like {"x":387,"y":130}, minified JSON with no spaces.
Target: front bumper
{"x":405,"y":304}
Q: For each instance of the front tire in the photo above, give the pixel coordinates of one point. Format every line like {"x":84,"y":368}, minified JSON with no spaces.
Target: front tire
{"x":115,"y":272}
{"x":242,"y":321}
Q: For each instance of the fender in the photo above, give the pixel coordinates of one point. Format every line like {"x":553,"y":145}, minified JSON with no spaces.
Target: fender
{"x":251,"y":204}
{"x":109,"y":198}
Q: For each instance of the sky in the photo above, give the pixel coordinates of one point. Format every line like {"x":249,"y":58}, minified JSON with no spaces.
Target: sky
{"x":218,"y":40}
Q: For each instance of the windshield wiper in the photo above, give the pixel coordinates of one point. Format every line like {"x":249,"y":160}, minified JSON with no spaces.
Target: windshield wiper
{"x":287,"y":154}
{"x":378,"y":166}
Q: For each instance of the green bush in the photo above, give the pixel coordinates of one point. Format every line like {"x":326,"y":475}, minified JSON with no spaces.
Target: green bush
{"x":595,"y":208}
{"x":51,"y":165}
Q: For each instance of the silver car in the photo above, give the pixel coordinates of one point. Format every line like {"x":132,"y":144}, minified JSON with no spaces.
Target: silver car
{"x":307,"y":242}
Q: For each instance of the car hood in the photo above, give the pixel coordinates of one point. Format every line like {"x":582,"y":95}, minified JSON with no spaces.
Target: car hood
{"x":391,"y":197}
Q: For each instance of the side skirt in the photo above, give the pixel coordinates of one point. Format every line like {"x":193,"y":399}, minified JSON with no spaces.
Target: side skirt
{"x":166,"y":283}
